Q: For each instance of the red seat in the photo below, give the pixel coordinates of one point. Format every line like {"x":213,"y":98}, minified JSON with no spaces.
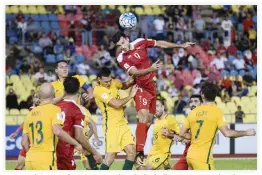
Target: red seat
{"x":195,"y":72}
{"x":186,"y":73}
{"x":178,"y":73}
{"x":94,"y":49}
{"x":78,"y":17}
{"x":69,"y":17}
{"x":61,"y":17}
{"x":79,"y":50}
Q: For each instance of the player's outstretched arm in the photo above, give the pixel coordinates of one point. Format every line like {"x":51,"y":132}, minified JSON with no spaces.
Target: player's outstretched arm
{"x":59,"y":98}
{"x":165,"y":45}
{"x":141,"y":72}
{"x":118,"y":103}
{"x":25,"y":142}
{"x":233,"y":133}
{"x":128,"y":84}
{"x":184,"y":133}
{"x":14,"y":134}
{"x":59,"y":132}
{"x":93,"y":128}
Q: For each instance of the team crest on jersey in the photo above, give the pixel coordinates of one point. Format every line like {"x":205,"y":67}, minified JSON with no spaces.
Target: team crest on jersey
{"x":82,"y":123}
{"x":104,"y":96}
{"x":61,"y":116}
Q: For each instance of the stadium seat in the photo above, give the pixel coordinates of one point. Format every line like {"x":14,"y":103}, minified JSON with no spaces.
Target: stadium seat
{"x":250,"y":118}
{"x":61,"y":17}
{"x":6,"y":112}
{"x":79,"y":59}
{"x":14,"y":9}
{"x":139,"y":11}
{"x":10,"y":120}
{"x":11,"y":33}
{"x":20,"y":119}
{"x":50,"y":59}
{"x":43,"y":17}
{"x":233,"y":73}
{"x":52,"y":17}
{"x":78,"y":17}
{"x":32,"y":9}
{"x":45,"y":24}
{"x":180,"y":118}
{"x":242,"y":73}
{"x":25,"y":78}
{"x":7,"y":9}
{"x":35,"y":17}
{"x":13,"y":40}
{"x":122,"y":9}
{"x":59,"y":57}
{"x":69,"y":17}
{"x":41,"y":9}
{"x":24,"y":111}
{"x":37,"y":49}
{"x":245,"y":100}
{"x":148,"y":11}
{"x":14,"y":78}
{"x":14,"y":112}
{"x":55,"y":25}
{"x":236,"y":100}
{"x":157,"y":11}
{"x":23,"y":9}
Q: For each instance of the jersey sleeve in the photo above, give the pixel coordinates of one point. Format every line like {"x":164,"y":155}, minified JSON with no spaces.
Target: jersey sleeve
{"x":220,"y":119}
{"x":58,"y":117}
{"x":150,"y":42}
{"x":142,"y":43}
{"x":79,"y":119}
{"x":186,"y":122}
{"x":124,"y":63}
{"x":118,"y":84}
{"x":102,"y":96}
{"x":173,"y":125}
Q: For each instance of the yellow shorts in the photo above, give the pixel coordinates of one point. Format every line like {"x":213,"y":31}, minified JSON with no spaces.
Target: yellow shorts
{"x":117,"y":138}
{"x":159,"y":161}
{"x":40,"y":161}
{"x":197,"y":165}
{"x":83,"y":157}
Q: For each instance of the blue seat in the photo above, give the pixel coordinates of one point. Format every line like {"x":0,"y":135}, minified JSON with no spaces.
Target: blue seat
{"x":37,"y":49}
{"x":224,"y":73}
{"x":45,"y":24}
{"x":10,"y":16}
{"x":80,"y":58}
{"x":35,"y":17}
{"x":11,"y":33}
{"x":242,"y":73}
{"x":26,"y":16}
{"x":13,"y":40}
{"x":55,"y":25}
{"x":233,"y":73}
{"x":52,"y":17}
{"x":50,"y":59}
{"x":59,"y":57}
{"x":37,"y":24}
{"x":240,"y":27}
{"x":43,"y":17}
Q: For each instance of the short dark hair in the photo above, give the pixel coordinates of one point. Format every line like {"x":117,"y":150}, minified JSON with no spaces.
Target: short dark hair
{"x":61,"y":61}
{"x":104,"y":72}
{"x":162,"y":100}
{"x":71,"y":85}
{"x":210,"y":91}
{"x":116,"y":37}
{"x":197,"y":96}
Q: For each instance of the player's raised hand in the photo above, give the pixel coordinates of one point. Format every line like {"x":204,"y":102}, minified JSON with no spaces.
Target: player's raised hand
{"x":251,"y":132}
{"x":158,"y":64}
{"x":134,"y":90}
{"x":187,"y":44}
{"x":13,"y":135}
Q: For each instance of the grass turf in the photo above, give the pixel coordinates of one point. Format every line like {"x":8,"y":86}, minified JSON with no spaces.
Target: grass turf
{"x":219,"y":165}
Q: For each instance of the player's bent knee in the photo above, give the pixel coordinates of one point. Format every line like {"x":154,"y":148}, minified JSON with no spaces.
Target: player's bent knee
{"x":130,"y":151}
{"x":109,"y":158}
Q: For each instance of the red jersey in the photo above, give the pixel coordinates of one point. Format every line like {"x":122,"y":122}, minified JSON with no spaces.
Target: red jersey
{"x":137,"y":57}
{"x":74,"y":117}
{"x":186,"y":148}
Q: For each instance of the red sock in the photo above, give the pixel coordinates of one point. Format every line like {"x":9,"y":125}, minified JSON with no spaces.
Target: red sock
{"x":141,"y":134}
{"x":17,"y":169}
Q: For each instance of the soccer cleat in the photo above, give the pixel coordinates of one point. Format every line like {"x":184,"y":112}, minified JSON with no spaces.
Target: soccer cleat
{"x":140,"y":158}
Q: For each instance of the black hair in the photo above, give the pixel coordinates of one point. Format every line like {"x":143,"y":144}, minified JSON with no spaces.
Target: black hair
{"x":210,"y":91}
{"x":104,"y":72}
{"x":197,"y":96}
{"x":60,"y":61}
{"x":162,"y":100}
{"x":116,"y":37}
{"x":71,"y":85}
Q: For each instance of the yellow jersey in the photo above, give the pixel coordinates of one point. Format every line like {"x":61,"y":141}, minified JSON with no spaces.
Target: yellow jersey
{"x":111,"y":116}
{"x":59,"y":87}
{"x":87,"y":116}
{"x":252,"y":34}
{"x":162,"y":144}
{"x":203,"y":123}
{"x":38,"y":126}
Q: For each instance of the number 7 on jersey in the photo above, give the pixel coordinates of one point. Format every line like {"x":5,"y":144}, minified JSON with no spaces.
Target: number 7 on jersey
{"x":199,"y":128}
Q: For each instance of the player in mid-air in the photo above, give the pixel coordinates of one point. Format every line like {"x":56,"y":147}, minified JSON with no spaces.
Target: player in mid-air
{"x":134,"y":60}
{"x":40,"y":131}
{"x":62,"y":72}
{"x":165,"y":129}
{"x":118,"y":136}
{"x":195,"y":100}
{"x":203,"y":123}
{"x":74,"y":126}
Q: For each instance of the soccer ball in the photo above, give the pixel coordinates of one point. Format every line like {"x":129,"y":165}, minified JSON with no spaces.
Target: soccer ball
{"x":128,"y":20}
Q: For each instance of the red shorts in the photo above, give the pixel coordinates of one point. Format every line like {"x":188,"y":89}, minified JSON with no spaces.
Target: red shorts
{"x":181,"y":164}
{"x":146,"y":99}
{"x":64,"y":163}
{"x":22,"y":152}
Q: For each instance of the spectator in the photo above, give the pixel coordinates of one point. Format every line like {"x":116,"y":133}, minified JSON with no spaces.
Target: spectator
{"x":244,"y":43}
{"x":196,"y":89}
{"x":30,"y":58}
{"x":11,"y":100}
{"x":29,"y":100}
{"x":252,"y":38}
{"x":40,"y":76}
{"x":199,"y":25}
{"x":173,"y":91}
{"x":239,"y":114}
{"x":221,"y":48}
{"x":196,"y":63}
{"x":68,"y":56}
{"x":144,"y":25}
{"x":87,"y":33}
{"x":239,"y":63}
{"x":22,"y":25}
{"x":227,"y":26}
{"x":71,"y":46}
{"x":219,"y":62}
{"x":58,"y":47}
{"x":180,"y":28}
{"x":232,"y":49}
{"x":131,"y":113}
{"x":36,"y":65}
{"x":198,"y":79}
{"x":45,"y":41}
{"x":70,"y":9}
{"x":175,"y":59}
{"x":189,"y":31}
{"x":170,"y":25}
{"x":25,"y":67}
{"x":159,"y":25}
{"x":160,"y":83}
{"x":179,"y":39}
{"x":179,"y":105}
{"x":247,"y":23}
{"x":72,"y":30}
{"x":50,"y":76}
{"x":83,"y":68}
{"x":19,"y":17}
